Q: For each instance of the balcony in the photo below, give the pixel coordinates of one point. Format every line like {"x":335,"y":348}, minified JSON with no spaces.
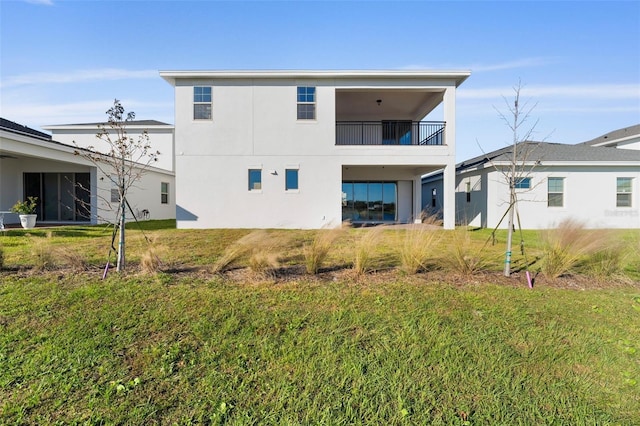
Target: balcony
{"x":390,"y":132}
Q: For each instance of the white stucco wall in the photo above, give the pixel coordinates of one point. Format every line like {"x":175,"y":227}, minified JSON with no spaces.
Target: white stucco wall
{"x":254,"y":125}
{"x":160,"y":139}
{"x":589,"y":197}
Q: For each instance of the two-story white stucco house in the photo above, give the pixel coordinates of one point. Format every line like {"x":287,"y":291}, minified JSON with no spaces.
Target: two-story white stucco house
{"x":309,"y":149}
{"x":599,"y":186}
{"x":32,"y":163}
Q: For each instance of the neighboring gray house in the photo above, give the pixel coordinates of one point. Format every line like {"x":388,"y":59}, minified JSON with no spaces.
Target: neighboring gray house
{"x":626,"y":138}
{"x":597,"y":185}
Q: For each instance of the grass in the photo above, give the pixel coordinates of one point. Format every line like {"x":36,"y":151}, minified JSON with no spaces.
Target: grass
{"x":385,"y":348}
{"x":169,"y":350}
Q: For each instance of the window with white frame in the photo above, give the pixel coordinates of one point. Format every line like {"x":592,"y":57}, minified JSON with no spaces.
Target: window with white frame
{"x":115,"y":190}
{"x":291,"y":179}
{"x":164,"y":192}
{"x":255,"y":179}
{"x":555,"y":192}
{"x":623,"y":191}
{"x":306,"y":103}
{"x":523,"y":183}
{"x":202,"y":103}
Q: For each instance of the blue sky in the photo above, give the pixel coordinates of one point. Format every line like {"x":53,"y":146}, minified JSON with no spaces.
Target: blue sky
{"x":579,"y":61}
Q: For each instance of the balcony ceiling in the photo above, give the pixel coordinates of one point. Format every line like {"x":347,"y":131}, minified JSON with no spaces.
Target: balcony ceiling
{"x":396,"y":104}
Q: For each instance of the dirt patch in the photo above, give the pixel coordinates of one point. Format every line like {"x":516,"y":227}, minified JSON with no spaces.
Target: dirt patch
{"x":344,"y":274}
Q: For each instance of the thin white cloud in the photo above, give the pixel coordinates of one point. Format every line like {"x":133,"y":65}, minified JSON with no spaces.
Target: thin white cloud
{"x":515,"y":64}
{"x":42,"y":2}
{"x":519,"y":63}
{"x":583,"y":91}
{"x":76,"y":76}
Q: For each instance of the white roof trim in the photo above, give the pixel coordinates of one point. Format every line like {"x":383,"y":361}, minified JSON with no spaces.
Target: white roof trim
{"x":458,"y":75}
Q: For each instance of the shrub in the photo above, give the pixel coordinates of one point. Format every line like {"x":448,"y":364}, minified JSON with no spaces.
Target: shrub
{"x":608,"y":259}
{"x":417,"y":248}
{"x":265,"y":252}
{"x":564,"y":246}
{"x":316,"y":252}
{"x":251,"y":243}
{"x":150,"y":261}
{"x":462,"y":255}
{"x":365,"y":248}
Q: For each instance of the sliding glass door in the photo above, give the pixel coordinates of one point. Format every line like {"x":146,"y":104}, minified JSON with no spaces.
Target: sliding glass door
{"x":62,"y":197}
{"x":369,"y":201}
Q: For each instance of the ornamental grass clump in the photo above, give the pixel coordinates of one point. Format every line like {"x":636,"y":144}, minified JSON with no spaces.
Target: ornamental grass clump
{"x":565,"y":246}
{"x":233,"y":253}
{"x":266,"y":252}
{"x":608,"y":259}
{"x":316,"y":252}
{"x":462,"y":255}
{"x":365,"y":249}
{"x":71,"y":258}
{"x":42,"y":253}
{"x":417,"y":249}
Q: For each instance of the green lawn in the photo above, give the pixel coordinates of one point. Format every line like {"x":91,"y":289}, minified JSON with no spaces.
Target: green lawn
{"x":383,"y":348}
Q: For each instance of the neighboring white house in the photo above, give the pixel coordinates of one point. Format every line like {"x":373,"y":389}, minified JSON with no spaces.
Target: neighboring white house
{"x":84,"y":135}
{"x":595,"y":185}
{"x":308,"y":149}
{"x":33,"y":164}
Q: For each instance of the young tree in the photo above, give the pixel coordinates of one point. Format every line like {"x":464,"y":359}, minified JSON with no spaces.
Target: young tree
{"x":520,"y":164}
{"x":123,"y":159}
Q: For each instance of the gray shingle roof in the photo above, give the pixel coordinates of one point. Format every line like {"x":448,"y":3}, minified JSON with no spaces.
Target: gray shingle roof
{"x":615,"y":135}
{"x":19,"y":128}
{"x":129,"y":123}
{"x":546,"y":151}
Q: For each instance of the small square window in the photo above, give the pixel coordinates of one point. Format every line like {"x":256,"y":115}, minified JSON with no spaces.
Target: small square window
{"x":623,"y":192}
{"x":164,"y":192}
{"x":255,"y":179}
{"x":202,"y":103}
{"x":306,"y":99}
{"x":523,"y":183}
{"x":291,"y":179}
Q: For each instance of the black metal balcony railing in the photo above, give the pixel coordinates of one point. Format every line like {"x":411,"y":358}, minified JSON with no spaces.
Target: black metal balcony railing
{"x":390,"y":132}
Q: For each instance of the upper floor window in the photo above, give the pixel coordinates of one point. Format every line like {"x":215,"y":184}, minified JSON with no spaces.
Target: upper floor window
{"x":523,"y":183}
{"x":555,"y":192}
{"x":306,"y":103}
{"x":623,"y":192}
{"x":202,"y":103}
{"x":164,"y":192}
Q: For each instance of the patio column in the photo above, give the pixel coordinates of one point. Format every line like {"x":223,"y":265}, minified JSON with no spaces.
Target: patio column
{"x":449,"y":175}
{"x":449,"y":197}
{"x":417,"y":199}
